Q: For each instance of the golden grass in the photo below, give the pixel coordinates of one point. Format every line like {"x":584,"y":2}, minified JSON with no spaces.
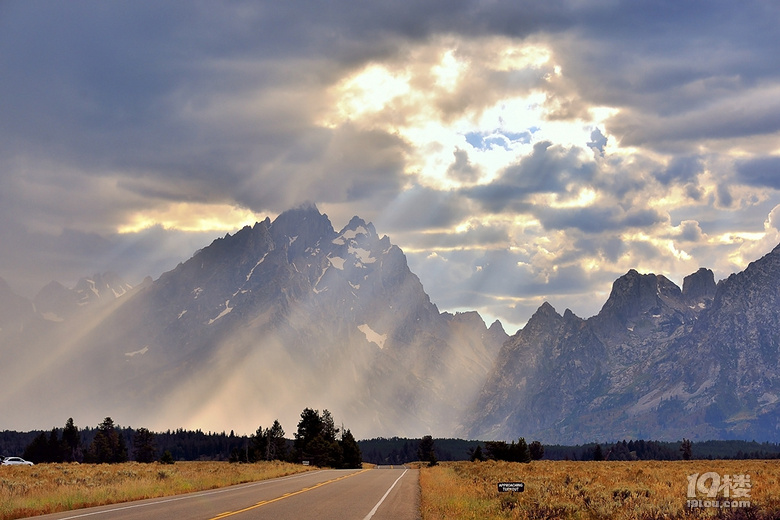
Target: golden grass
{"x":49,"y":488}
{"x":588,"y":490}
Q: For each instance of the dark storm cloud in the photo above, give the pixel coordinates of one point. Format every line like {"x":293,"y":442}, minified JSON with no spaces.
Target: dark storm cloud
{"x":679,"y":71}
{"x":743,"y":115}
{"x":606,"y":246}
{"x":597,"y":219}
{"x":111,"y":109}
{"x":681,"y":170}
{"x":569,"y":286}
{"x":760,"y":172}
{"x":548,"y":169}
{"x":476,"y":237}
{"x":137,"y":87}
{"x":420,"y":208}
{"x":462,"y":169}
{"x":724,"y":197}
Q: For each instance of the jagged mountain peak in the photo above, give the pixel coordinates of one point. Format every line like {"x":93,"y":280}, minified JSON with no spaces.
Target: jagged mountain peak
{"x":634,"y":294}
{"x":545,"y":311}
{"x":290,"y":301}
{"x":56,"y":302}
{"x":701,"y":362}
{"x":699,"y":286}
{"x":497,"y":328}
{"x":755,"y":286}
{"x":305,"y":214}
{"x":468,"y":317}
{"x":301,"y":228}
{"x":544,"y":318}
{"x":358,"y":226}
{"x":101,"y":286}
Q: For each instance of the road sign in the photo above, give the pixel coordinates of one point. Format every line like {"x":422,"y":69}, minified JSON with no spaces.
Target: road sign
{"x":511,"y":486}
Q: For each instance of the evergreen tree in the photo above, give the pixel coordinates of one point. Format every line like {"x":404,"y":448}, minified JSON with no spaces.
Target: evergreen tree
{"x":38,"y":450}
{"x":258,"y":445}
{"x":598,"y":454}
{"x":426,"y":451}
{"x":144,"y":448}
{"x":315,"y":440}
{"x":352,"y":458}
{"x":108,"y":446}
{"x":166,"y":458}
{"x":239,"y":454}
{"x":497,"y":450}
{"x":536,"y":450}
{"x":475,"y":454}
{"x":71,"y":441}
{"x":686,"y":448}
{"x":521,"y":451}
{"x":329,"y":430}
{"x":309,"y":427}
{"x":54,"y":449}
{"x":277,"y":444}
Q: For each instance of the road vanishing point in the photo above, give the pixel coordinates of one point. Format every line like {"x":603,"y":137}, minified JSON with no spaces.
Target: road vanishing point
{"x":383,"y":493}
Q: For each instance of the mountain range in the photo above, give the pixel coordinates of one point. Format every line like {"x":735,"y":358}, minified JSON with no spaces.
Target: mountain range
{"x":292,"y":313}
{"x":258,"y":325}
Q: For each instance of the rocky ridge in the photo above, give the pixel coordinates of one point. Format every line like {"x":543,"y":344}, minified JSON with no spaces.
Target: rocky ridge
{"x":656,"y":362}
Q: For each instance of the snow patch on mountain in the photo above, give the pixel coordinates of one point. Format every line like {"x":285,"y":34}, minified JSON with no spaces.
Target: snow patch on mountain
{"x":352,"y":233}
{"x":121,"y":292}
{"x":337,"y":262}
{"x":317,"y":283}
{"x":362,"y":254}
{"x":93,"y":288}
{"x":138,"y":352}
{"x":225,"y":312}
{"x":372,"y":336}
{"x":251,"y":271}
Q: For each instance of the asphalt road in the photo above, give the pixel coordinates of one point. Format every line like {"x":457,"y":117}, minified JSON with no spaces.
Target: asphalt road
{"x":385,"y":493}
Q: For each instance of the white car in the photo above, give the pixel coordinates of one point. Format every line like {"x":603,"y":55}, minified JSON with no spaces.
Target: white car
{"x":16,"y":461}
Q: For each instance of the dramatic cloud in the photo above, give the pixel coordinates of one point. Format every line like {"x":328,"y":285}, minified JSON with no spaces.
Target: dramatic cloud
{"x":517,"y":151}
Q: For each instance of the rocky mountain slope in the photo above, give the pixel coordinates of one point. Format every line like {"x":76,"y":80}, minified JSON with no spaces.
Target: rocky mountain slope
{"x":656,"y":362}
{"x":256,"y":326}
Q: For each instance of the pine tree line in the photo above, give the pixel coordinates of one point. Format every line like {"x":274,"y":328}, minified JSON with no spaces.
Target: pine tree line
{"x":317,"y":441}
{"x":512,"y":452}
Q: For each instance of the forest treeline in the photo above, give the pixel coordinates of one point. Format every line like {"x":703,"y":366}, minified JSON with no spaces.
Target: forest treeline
{"x":399,"y":450}
{"x":317,"y":440}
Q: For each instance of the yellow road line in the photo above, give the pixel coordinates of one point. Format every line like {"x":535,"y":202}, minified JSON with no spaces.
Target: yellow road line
{"x":282,"y":497}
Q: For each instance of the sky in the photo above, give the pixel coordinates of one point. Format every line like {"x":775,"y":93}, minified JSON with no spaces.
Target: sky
{"x":518,"y":152}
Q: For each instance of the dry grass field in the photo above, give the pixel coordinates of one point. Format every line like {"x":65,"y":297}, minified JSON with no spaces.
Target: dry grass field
{"x":49,"y":488}
{"x":457,"y":490}
{"x":641,"y":490}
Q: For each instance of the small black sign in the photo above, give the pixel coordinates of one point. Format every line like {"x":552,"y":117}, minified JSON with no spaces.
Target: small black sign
{"x":511,"y":486}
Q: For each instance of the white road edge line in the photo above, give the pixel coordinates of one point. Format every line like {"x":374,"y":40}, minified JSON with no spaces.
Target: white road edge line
{"x":373,"y":511}
{"x":190,"y":495}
